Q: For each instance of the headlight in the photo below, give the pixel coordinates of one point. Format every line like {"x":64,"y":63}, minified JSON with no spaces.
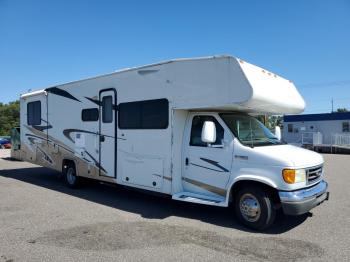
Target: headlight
{"x":292,"y":176}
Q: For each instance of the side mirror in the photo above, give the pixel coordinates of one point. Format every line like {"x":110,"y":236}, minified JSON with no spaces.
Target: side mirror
{"x":278,"y":132}
{"x":209,"y":132}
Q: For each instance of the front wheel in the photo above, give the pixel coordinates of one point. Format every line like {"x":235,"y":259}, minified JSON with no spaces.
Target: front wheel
{"x":254,"y":208}
{"x":70,"y":175}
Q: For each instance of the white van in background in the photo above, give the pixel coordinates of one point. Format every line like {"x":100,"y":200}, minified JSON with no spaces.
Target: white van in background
{"x":185,"y":128}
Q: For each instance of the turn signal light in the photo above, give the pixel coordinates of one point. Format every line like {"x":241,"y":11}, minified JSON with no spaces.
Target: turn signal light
{"x":292,"y":176}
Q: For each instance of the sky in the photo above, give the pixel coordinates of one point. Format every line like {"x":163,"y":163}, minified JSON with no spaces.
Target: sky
{"x":45,"y":43}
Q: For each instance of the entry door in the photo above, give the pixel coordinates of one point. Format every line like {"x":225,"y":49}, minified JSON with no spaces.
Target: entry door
{"x":107,"y":123}
{"x":34,"y":115}
{"x":37,"y":115}
{"x":206,"y":167}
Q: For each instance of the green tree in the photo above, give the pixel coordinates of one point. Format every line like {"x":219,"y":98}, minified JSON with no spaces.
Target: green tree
{"x":9,"y":117}
{"x":341,"y":110}
{"x":271,"y":121}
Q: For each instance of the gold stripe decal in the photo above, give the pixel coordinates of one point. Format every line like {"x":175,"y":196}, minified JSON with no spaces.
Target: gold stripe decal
{"x":213,"y":189}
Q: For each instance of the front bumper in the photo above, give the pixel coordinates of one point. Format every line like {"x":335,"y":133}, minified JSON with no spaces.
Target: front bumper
{"x":302,"y":201}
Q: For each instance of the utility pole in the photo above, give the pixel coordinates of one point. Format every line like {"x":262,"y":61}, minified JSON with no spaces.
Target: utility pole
{"x":332,"y":104}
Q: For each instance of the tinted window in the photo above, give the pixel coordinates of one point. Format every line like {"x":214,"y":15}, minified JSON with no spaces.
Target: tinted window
{"x":89,"y":114}
{"x":346,"y":127}
{"x":107,"y":109}
{"x":196,"y":131}
{"x":290,"y":128}
{"x":130,"y":115}
{"x":150,"y":114}
{"x":34,"y":113}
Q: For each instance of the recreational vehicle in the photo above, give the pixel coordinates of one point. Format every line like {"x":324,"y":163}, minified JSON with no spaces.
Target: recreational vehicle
{"x":185,"y":128}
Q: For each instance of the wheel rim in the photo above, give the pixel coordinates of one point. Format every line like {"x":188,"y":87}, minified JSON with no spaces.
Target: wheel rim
{"x":71,"y":176}
{"x":250,"y":207}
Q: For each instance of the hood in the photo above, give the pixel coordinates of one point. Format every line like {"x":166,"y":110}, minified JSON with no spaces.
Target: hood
{"x":290,"y":156}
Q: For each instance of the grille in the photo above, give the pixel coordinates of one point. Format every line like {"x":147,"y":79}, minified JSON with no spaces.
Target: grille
{"x":314,"y":174}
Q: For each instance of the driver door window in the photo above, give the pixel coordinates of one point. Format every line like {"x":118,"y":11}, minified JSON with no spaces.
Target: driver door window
{"x":196,"y":131}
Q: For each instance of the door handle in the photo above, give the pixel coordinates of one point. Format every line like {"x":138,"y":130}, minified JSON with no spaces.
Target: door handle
{"x":186,"y":161}
{"x":102,"y":138}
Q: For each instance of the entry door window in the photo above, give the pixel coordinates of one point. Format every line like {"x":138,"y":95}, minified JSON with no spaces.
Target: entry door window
{"x":34,"y":113}
{"x":107,"y":109}
{"x":196,"y":131}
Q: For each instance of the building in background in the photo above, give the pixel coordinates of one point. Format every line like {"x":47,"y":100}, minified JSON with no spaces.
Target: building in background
{"x":318,"y":130}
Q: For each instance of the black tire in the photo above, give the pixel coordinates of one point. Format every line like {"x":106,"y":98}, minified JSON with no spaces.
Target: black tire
{"x":70,"y":175}
{"x":260,"y":212}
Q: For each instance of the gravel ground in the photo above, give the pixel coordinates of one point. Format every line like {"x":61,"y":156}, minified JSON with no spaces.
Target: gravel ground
{"x":43,"y":220}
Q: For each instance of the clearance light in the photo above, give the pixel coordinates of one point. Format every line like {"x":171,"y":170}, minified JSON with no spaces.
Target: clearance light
{"x":292,"y":176}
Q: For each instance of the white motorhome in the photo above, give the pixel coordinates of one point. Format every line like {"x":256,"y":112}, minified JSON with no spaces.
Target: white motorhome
{"x":185,"y":128}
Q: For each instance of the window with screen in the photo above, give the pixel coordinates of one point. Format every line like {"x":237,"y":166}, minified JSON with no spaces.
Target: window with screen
{"x":196,"y":131}
{"x":34,"y":113}
{"x":89,"y":114}
{"x":148,"y":114}
{"x":107,"y":109}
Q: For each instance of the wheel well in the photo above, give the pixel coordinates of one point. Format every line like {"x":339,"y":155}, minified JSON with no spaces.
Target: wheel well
{"x":245,"y":183}
{"x":66,"y":163}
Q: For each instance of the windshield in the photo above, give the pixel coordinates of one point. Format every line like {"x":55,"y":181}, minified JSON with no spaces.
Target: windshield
{"x":249,"y":130}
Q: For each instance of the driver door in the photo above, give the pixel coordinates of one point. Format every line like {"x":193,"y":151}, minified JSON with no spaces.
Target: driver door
{"x":206,"y":168}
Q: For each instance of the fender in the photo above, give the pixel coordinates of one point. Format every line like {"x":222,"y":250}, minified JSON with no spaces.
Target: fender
{"x":74,"y":161}
{"x":247,"y":177}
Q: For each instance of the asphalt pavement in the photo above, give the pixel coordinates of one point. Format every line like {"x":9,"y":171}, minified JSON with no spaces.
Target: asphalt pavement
{"x":43,"y":220}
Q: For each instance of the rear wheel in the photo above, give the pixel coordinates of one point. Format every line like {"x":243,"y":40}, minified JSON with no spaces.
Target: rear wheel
{"x":70,"y":175}
{"x":254,"y":208}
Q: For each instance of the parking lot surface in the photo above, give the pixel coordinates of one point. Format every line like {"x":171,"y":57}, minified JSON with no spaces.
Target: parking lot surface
{"x":43,"y":220}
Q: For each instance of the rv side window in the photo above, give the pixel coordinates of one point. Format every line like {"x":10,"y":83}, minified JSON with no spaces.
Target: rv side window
{"x":150,"y":114}
{"x":154,"y":114}
{"x":89,"y":114}
{"x":129,"y":115}
{"x":346,"y":127}
{"x":196,"y":131}
{"x":107,"y":109}
{"x":290,"y":128}
{"x":34,"y":113}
